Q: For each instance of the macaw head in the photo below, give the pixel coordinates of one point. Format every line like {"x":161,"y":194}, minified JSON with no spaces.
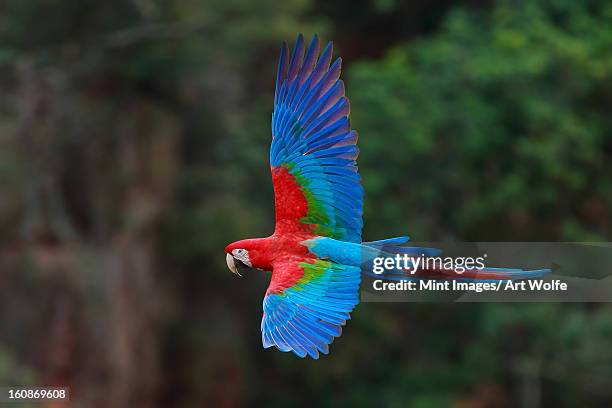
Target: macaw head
{"x":241,"y":254}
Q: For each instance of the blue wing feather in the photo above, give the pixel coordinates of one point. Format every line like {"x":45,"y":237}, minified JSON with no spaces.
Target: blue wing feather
{"x":306,"y":317}
{"x":313,"y":140}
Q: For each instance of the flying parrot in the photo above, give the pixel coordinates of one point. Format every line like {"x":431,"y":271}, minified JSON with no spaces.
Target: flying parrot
{"x":316,"y":254}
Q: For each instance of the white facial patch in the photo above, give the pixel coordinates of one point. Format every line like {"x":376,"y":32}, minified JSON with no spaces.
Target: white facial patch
{"x":243,"y":256}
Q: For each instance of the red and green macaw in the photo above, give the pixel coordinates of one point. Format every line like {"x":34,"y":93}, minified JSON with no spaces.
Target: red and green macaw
{"x":316,"y":254}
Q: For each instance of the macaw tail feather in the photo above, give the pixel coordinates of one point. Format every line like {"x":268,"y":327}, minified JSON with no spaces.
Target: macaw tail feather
{"x":386,"y":259}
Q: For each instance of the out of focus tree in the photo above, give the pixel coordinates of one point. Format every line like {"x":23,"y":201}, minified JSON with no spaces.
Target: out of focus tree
{"x":502,"y":115}
{"x":116,"y":116}
{"x":497,"y":127}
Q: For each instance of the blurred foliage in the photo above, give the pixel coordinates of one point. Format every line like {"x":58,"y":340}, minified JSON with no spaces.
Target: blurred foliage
{"x":134,"y":140}
{"x":500,"y":115}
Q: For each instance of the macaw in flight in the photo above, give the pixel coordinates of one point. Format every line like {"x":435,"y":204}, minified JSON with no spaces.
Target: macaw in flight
{"x":316,"y":254}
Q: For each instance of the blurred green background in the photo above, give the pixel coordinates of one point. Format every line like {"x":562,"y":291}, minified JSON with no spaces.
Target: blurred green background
{"x":134,"y":140}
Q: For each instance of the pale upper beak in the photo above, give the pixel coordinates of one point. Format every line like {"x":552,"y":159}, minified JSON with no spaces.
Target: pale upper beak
{"x":231,"y":264}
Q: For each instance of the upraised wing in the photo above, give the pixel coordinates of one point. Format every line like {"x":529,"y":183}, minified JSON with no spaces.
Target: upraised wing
{"x":304,"y":315}
{"x":313,"y":155}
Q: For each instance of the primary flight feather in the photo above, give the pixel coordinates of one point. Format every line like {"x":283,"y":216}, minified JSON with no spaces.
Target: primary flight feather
{"x":316,"y":254}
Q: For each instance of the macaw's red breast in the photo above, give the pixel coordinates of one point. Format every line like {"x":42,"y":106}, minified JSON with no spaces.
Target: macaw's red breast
{"x":284,"y":250}
{"x":287,"y":252}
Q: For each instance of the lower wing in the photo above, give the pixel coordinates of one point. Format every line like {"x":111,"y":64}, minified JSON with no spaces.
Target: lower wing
{"x":307,"y":303}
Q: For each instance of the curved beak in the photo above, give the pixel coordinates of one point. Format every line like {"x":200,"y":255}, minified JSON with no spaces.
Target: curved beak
{"x":231,"y":264}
